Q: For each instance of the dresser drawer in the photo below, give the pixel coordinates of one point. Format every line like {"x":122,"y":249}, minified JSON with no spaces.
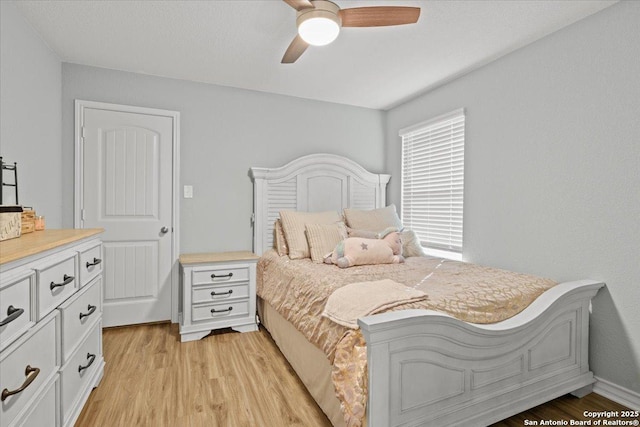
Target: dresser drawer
{"x":27,"y":365}
{"x":221,"y":311}
{"x":55,"y":283}
{"x":231,"y":291}
{"x":90,"y":263}
{"x":15,"y":307}
{"x":77,"y":373}
{"x":44,"y":410}
{"x":221,"y":274}
{"x":78,"y":315}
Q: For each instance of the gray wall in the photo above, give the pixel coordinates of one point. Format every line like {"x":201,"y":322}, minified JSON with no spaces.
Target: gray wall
{"x":552,"y":169}
{"x":224,"y":131}
{"x":30,"y":114}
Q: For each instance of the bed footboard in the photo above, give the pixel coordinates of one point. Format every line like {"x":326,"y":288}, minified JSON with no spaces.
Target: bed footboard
{"x":426,"y":368}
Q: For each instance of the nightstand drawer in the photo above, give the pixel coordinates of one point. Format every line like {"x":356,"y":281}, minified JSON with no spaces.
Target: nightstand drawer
{"x":78,"y":314}
{"x":232,"y":291}
{"x":90,"y":263}
{"x":55,"y":283}
{"x":26,"y":366}
{"x":225,"y":310}
{"x":15,"y":308}
{"x":221,"y":274}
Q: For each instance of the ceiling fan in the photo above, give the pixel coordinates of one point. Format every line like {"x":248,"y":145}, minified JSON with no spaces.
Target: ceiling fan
{"x":319,"y":22}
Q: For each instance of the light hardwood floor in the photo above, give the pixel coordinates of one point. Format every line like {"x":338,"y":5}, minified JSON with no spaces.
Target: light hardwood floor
{"x":226,"y":379}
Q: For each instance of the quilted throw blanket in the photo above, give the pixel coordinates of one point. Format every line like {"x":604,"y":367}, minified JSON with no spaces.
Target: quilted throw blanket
{"x":299,"y":290}
{"x":355,"y":300}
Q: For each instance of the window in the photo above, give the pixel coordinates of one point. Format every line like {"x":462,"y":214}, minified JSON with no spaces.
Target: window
{"x":433,"y":182}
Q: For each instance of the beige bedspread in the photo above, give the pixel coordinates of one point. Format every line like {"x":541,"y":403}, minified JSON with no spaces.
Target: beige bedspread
{"x":299,"y":289}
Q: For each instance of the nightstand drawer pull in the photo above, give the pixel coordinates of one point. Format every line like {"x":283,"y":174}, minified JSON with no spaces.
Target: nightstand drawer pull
{"x":214,"y":293}
{"x":96,"y":261}
{"x":66,"y":280}
{"x":213,"y":310}
{"x":27,"y":382}
{"x":14,"y":313}
{"x":215,"y":276}
{"x":91,"y":308}
{"x":91,"y":358}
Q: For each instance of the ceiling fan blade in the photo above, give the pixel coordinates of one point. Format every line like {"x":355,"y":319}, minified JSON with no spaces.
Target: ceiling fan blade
{"x":299,"y":4}
{"x":379,"y":16}
{"x":295,"y":49}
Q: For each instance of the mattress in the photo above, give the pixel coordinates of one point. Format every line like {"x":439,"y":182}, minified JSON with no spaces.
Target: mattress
{"x":298,"y":290}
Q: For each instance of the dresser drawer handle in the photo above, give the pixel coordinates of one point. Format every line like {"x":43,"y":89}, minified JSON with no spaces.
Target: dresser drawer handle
{"x":96,"y":261}
{"x":215,"y":276}
{"x":91,"y":308}
{"x":214,"y":293}
{"x":90,"y":358}
{"x":66,"y":280}
{"x":13,"y":314}
{"x":27,"y":382}
{"x":213,"y":310}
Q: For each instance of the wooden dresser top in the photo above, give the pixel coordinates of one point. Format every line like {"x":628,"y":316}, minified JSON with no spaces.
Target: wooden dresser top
{"x":40,"y":241}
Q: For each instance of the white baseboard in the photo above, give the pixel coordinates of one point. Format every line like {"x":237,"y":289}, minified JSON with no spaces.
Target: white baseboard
{"x":618,"y":394}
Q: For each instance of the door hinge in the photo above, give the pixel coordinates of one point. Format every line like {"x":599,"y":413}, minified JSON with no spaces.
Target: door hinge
{"x":83,"y":132}
{"x":82,"y":214}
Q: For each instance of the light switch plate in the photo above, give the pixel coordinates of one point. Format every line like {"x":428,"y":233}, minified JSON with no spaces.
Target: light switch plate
{"x":188,"y":191}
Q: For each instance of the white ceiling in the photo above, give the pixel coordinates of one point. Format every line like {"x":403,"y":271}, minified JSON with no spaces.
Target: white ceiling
{"x":240,"y":43}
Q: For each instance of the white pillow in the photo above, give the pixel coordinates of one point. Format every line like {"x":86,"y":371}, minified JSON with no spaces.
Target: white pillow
{"x":373,"y":220}
{"x":411,"y":244}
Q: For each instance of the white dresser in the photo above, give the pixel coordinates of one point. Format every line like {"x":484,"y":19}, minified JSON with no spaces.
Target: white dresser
{"x":218,"y":290}
{"x":50,"y":326}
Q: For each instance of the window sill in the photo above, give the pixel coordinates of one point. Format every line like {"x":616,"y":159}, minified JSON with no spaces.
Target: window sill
{"x":440,"y":253}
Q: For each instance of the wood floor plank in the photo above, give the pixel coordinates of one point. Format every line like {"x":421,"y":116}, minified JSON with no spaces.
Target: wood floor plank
{"x":227,"y":379}
{"x":564,"y":408}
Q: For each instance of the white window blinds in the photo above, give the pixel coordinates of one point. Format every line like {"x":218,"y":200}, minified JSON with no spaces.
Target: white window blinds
{"x":433,"y":180}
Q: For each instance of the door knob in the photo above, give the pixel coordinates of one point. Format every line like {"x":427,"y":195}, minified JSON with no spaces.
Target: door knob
{"x":164,"y":230}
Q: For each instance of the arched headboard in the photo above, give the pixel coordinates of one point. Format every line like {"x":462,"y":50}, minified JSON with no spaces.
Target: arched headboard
{"x":313,"y":183}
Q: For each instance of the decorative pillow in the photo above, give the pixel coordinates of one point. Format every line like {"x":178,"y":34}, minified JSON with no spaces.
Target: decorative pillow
{"x":410,"y":241}
{"x":373,"y":220}
{"x":411,"y":244}
{"x":361,"y":251}
{"x":279,"y":242}
{"x":293,"y":225}
{"x":323,"y":238}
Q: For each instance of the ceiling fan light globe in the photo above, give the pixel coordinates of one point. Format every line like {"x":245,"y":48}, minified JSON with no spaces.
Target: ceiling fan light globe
{"x":318,"y":31}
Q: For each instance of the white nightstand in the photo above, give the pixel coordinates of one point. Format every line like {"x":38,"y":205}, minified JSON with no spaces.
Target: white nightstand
{"x":218,"y":290}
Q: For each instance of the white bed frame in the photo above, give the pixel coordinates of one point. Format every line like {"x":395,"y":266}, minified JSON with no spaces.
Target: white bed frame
{"x":426,"y":368}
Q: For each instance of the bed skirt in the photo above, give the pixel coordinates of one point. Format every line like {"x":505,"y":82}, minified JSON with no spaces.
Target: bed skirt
{"x":309,"y":362}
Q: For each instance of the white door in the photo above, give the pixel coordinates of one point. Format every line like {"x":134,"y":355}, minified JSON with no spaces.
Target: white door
{"x":127,"y":190}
